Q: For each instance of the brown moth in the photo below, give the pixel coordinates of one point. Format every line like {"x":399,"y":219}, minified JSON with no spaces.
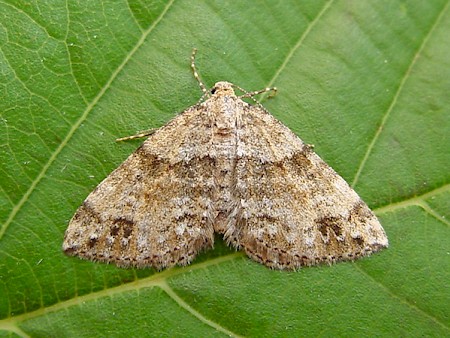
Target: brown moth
{"x":230,"y":167}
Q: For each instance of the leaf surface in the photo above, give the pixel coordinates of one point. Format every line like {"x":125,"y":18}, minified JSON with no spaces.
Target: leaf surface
{"x":366,"y":82}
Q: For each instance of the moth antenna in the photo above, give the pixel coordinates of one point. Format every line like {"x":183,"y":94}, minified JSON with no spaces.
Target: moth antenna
{"x":196,"y":75}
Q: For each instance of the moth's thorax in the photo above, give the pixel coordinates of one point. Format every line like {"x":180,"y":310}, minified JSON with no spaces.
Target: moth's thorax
{"x":222,"y":114}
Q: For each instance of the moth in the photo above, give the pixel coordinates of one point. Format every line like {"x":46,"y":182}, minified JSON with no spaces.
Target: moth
{"x":230,"y":167}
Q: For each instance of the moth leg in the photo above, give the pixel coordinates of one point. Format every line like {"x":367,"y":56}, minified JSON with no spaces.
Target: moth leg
{"x":141,"y":134}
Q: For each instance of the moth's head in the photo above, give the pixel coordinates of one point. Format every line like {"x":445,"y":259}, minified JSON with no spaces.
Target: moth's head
{"x":223,"y":89}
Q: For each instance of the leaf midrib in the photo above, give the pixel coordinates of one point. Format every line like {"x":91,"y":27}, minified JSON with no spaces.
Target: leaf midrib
{"x":157,"y":280}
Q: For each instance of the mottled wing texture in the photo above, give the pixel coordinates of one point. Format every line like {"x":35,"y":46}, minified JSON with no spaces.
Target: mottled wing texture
{"x":152,"y":210}
{"x":295,"y":210}
{"x":228,"y":167}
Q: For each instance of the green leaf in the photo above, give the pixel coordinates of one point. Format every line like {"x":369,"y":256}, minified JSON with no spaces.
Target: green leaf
{"x":367,"y":83}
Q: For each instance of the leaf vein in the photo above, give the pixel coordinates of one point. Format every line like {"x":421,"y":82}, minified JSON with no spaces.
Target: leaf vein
{"x":396,"y":96}
{"x":72,"y":130}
